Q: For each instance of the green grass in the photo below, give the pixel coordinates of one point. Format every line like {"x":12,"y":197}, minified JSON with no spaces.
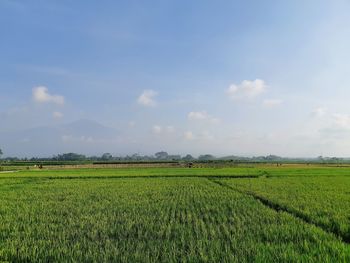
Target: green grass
{"x":173,"y":215}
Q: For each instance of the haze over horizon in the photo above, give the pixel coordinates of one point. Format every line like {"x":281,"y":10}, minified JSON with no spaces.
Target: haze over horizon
{"x":226,"y":78}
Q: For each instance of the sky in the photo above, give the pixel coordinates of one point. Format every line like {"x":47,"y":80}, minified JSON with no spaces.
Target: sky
{"x":227,"y":77}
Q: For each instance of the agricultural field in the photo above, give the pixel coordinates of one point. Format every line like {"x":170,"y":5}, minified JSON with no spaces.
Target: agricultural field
{"x":134,"y":172}
{"x":321,"y":200}
{"x":243,"y":214}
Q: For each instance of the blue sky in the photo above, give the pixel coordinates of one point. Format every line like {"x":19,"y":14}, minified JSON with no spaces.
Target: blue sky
{"x":221,"y":77}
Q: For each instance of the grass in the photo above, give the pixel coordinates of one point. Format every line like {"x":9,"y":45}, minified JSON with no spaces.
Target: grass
{"x":174,"y":214}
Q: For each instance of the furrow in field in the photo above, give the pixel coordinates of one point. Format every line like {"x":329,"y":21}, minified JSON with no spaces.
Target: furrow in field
{"x":344,"y":237}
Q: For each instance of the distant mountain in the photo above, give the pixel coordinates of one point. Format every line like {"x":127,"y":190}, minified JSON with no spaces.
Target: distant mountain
{"x":83,"y":136}
{"x":88,"y":128}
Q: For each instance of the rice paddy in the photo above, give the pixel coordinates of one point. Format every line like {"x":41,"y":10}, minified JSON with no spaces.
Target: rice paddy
{"x":231,"y":214}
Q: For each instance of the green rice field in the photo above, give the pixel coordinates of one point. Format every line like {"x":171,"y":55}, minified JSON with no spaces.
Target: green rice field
{"x":233,"y":214}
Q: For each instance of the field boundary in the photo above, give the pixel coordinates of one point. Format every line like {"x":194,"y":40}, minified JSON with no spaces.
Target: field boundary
{"x":278,"y":208}
{"x":134,"y":177}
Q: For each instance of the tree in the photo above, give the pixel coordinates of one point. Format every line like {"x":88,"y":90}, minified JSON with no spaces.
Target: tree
{"x":107,"y":157}
{"x":188,"y":157}
{"x":174,"y":157}
{"x":206,"y":157}
{"x":161,"y":155}
{"x":71,"y":157}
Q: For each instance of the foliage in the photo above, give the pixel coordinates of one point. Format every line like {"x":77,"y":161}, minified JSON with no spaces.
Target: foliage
{"x":106,"y":157}
{"x":206,"y":157}
{"x":70,"y":157}
{"x":164,"y":156}
{"x":161,"y":155}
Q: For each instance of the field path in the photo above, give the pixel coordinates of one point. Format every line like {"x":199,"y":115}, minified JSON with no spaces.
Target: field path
{"x":277,"y":207}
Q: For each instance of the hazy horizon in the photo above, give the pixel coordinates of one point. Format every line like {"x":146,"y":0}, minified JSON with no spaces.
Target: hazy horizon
{"x":230,"y":78}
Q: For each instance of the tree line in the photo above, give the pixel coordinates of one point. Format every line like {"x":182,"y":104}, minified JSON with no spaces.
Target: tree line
{"x":164,"y":156}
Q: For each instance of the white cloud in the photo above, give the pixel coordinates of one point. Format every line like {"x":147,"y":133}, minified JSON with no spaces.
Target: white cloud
{"x":189,"y":135}
{"x":270,"y":103}
{"x":335,"y":130}
{"x":202,"y":136}
{"x":336,"y":127}
{"x":247,"y":89}
{"x":147,"y":98}
{"x":41,"y":95}
{"x":57,"y":115}
{"x":342,"y":120}
{"x":157,"y":129}
{"x":202,"y":116}
{"x":319,"y":112}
